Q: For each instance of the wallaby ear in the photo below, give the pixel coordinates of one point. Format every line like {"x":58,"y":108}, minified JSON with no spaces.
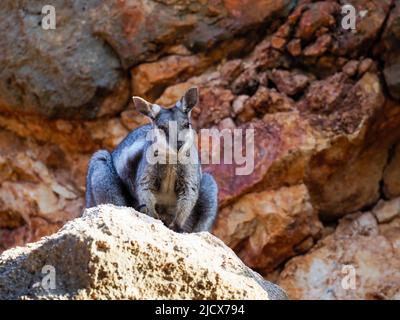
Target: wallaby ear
{"x":146,"y":108}
{"x":190,"y":99}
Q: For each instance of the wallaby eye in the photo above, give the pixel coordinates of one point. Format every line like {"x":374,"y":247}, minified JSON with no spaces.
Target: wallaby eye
{"x":163,"y":127}
{"x":186,"y":125}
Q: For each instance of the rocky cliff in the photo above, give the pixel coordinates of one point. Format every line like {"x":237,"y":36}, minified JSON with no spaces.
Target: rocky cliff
{"x":324,"y":103}
{"x":118,"y":253}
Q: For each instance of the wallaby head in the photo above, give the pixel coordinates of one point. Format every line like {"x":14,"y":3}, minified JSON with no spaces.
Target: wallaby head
{"x":173,"y":124}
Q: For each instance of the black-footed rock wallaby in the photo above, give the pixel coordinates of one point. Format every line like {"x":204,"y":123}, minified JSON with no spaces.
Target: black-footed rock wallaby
{"x":156,"y":170}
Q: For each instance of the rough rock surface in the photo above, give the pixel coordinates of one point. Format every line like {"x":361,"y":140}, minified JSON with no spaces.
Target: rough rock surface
{"x":367,"y":242}
{"x":266,"y":228}
{"x":391,"y":175}
{"x":66,"y":72}
{"x":79,"y":70}
{"x":118,"y":253}
{"x":323,"y":101}
{"x":391,"y":51}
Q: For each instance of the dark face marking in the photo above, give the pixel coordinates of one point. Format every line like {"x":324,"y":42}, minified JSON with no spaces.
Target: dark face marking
{"x":166,"y":121}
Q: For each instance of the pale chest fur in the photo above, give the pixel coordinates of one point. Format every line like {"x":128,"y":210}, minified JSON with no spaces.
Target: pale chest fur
{"x":166,"y":194}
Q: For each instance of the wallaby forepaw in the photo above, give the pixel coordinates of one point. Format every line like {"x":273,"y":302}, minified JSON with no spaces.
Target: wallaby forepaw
{"x":177,"y":229}
{"x":180,"y":229}
{"x":143,"y":209}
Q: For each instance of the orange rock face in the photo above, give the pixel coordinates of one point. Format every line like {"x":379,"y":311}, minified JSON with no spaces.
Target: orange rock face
{"x":360,"y":260}
{"x":323,"y":103}
{"x":43,"y":167}
{"x":266,"y":228}
{"x":391,"y":173}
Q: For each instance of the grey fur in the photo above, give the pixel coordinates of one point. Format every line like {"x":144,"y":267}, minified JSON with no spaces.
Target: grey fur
{"x":179,"y":194}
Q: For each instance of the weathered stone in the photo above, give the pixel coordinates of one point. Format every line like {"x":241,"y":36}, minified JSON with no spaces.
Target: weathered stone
{"x":67,"y":72}
{"x":131,"y":119}
{"x":358,"y":156}
{"x":238,"y":104}
{"x":370,"y":20}
{"x":290,"y":83}
{"x":114,"y":252}
{"x":214,"y":105}
{"x":318,"y":25}
{"x":26,"y":233}
{"x":391,"y":175}
{"x":79,"y":70}
{"x":360,"y":253}
{"x":385,"y":211}
{"x":282,"y":146}
{"x":259,"y":101}
{"x":226,"y":123}
{"x":365,"y":66}
{"x":43,"y":167}
{"x":246,"y":83}
{"x":263,"y":101}
{"x":174,"y":93}
{"x":279,"y":102}
{"x":392,"y":76}
{"x":319,"y":47}
{"x":278,"y":43}
{"x":150,"y":79}
{"x":351,"y":67}
{"x":130,"y":29}
{"x":390,"y":45}
{"x":231,"y":70}
{"x":317,"y":15}
{"x":324,"y":95}
{"x":337,"y":133}
{"x":30,"y":187}
{"x":294,"y":47}
{"x":266,"y":228}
